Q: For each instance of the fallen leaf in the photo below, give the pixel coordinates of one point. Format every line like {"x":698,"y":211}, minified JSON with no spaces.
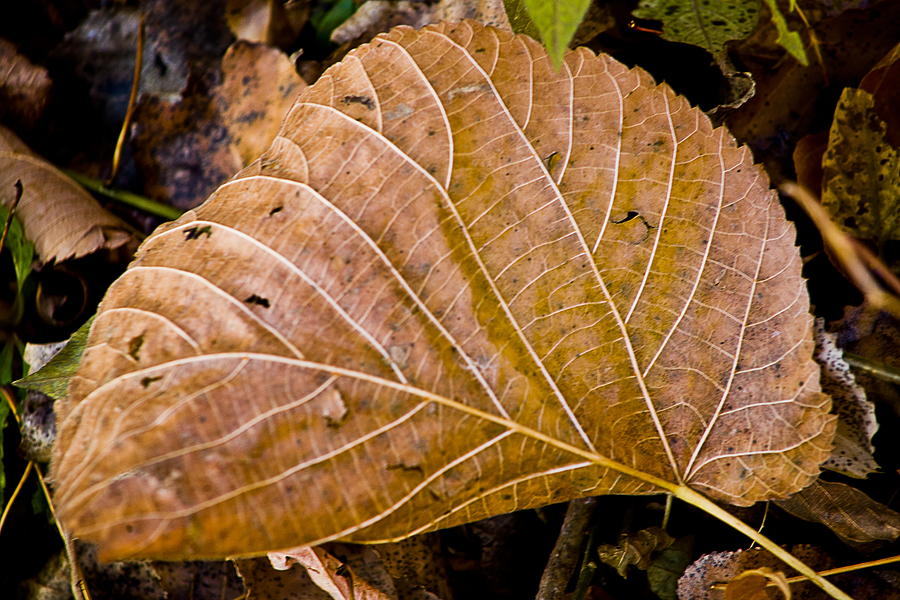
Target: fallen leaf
{"x":52,"y":378}
{"x":789,"y":97}
{"x":883,"y":82}
{"x":190,"y":146}
{"x":259,"y":84}
{"x":635,"y":549}
{"x":556,"y":22}
{"x":861,"y":171}
{"x":24,"y":87}
{"x":753,"y":585}
{"x":333,"y":576}
{"x":664,"y":571}
{"x":709,"y":25}
{"x":262,"y":582}
{"x":852,"y":452}
{"x":59,"y":217}
{"x":378,"y":16}
{"x":849,"y":513}
{"x":523,"y":289}
{"x":272,"y":22}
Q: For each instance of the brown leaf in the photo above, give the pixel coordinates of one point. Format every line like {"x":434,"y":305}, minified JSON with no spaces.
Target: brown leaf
{"x":273,"y":22}
{"x":330,"y":574}
{"x":848,"y":512}
{"x":635,"y":549}
{"x":523,"y":286}
{"x":24,"y":87}
{"x":853,"y":449}
{"x":60,"y":218}
{"x":265,"y":583}
{"x":753,"y":585}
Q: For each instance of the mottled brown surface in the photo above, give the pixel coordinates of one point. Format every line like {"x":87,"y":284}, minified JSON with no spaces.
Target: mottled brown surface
{"x":457,"y":285}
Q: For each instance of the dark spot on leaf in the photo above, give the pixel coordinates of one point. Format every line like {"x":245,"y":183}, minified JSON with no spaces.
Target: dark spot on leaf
{"x":254,"y":299}
{"x":275,"y":210}
{"x":134,"y":346}
{"x":146,"y":381}
{"x":192,"y":233}
{"x":632,"y":214}
{"x":364,"y":100}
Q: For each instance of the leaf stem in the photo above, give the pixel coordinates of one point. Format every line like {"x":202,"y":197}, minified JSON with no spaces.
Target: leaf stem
{"x":128,"y":198}
{"x":876,"y":369}
{"x":711,"y":508}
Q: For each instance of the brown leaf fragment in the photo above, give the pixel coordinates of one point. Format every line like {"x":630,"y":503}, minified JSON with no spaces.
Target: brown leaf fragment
{"x":635,"y":549}
{"x":258,"y":87}
{"x":60,"y":218}
{"x":849,"y":513}
{"x":333,"y":576}
{"x":852,"y":453}
{"x":861,"y":171}
{"x":272,"y":22}
{"x":24,"y":87}
{"x":883,"y":82}
{"x":626,"y":318}
{"x":753,"y":584}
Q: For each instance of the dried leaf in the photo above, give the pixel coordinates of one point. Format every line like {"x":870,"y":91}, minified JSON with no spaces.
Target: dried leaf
{"x":265,"y":583}
{"x":259,"y":84}
{"x":709,"y":25}
{"x":334,"y":577}
{"x":848,"y":512}
{"x":24,"y":87}
{"x":635,"y":549}
{"x":521,"y":289}
{"x":852,"y":453}
{"x":883,"y":82}
{"x":703,"y":578}
{"x":273,"y":22}
{"x":861,"y":179}
{"x":60,"y":218}
{"x":752,"y":585}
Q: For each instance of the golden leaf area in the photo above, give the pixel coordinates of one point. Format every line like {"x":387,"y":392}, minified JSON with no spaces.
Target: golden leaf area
{"x":458,"y":284}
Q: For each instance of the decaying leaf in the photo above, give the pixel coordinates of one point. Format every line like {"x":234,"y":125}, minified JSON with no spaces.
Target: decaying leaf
{"x":259,"y":84}
{"x":848,"y":512}
{"x":524,"y":285}
{"x":753,"y":584}
{"x":852,"y":453}
{"x":635,"y":549}
{"x":59,"y":217}
{"x":273,"y":22}
{"x":699,"y":581}
{"x":265,"y":583}
{"x":24,"y":87}
{"x":709,"y":25}
{"x":334,"y":577}
{"x":861,"y":179}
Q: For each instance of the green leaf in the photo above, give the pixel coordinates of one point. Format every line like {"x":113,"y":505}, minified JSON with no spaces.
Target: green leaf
{"x":664,"y":571}
{"x":21,"y":249}
{"x":328,"y":15}
{"x":705,"y":23}
{"x":53,"y":378}
{"x":555,"y":20}
{"x":787,"y":39}
{"x":519,"y":19}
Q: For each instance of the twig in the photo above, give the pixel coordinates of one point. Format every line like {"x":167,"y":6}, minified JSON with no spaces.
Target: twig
{"x":847,"y":250}
{"x":132,"y":102}
{"x":876,"y":369}
{"x":76,"y":580}
{"x":567,"y":550}
{"x":134,"y":200}
{"x":828,"y":572}
{"x":11,"y":213}
{"x":15,"y":494}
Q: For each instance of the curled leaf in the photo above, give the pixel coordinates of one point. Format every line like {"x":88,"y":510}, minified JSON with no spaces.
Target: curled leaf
{"x":60,"y":218}
{"x":460,"y":283}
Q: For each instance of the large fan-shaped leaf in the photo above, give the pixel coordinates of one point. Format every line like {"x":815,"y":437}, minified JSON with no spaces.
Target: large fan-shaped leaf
{"x":459,"y":283}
